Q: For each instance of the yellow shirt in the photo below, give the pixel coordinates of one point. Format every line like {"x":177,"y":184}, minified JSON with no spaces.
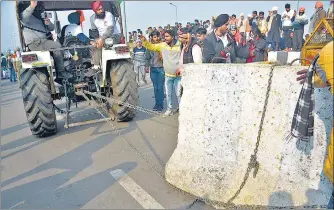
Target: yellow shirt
{"x":325,"y":78}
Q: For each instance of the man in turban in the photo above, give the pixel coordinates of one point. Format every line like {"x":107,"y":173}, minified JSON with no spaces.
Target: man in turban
{"x":220,"y":46}
{"x":103,"y":23}
{"x":74,"y":29}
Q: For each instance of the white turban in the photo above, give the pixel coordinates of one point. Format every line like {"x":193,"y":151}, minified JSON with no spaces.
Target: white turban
{"x":242,"y":14}
{"x":249,"y":15}
{"x":274,"y":8}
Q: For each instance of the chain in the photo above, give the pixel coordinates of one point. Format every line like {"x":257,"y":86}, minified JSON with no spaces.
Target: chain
{"x":138,"y":108}
{"x":253,"y":163}
{"x":119,"y":132}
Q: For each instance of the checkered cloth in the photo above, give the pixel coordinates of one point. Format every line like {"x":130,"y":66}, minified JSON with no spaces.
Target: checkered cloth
{"x":303,"y":119}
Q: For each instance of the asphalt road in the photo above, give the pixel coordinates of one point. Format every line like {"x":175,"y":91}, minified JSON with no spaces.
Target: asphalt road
{"x":88,"y":166}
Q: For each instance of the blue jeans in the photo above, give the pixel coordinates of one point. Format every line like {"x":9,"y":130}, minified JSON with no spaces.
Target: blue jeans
{"x":12,"y":75}
{"x":172,"y":83}
{"x":331,"y":202}
{"x":158,"y":79}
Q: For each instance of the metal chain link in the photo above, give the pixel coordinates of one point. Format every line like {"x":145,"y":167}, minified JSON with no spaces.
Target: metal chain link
{"x":119,"y":132}
{"x":253,"y":163}
{"x":119,"y":102}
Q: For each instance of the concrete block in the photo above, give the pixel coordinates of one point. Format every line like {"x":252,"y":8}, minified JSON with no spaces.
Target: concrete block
{"x":220,"y":113}
{"x":292,"y":56}
{"x":284,"y":57}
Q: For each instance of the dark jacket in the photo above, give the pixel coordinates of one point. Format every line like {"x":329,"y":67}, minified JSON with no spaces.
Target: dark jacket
{"x":212,"y":46}
{"x":188,"y":55}
{"x":260,"y":49}
{"x":276,"y":27}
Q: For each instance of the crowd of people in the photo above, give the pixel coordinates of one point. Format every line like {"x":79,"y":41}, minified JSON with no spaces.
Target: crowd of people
{"x":11,"y":65}
{"x":224,"y":39}
{"x":284,"y":31}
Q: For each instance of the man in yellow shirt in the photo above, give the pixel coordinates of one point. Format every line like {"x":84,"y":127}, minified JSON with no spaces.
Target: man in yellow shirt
{"x":170,"y":51}
{"x":323,"y":78}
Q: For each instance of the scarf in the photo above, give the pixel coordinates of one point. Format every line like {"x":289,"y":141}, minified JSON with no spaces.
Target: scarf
{"x":303,"y":119}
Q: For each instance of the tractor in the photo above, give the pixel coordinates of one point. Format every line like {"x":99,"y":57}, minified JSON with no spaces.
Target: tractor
{"x":113,"y":89}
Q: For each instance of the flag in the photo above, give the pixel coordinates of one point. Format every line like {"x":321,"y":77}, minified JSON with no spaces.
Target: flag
{"x":82,"y":17}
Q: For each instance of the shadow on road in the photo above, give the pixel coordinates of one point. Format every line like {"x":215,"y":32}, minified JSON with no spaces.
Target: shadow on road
{"x":37,"y":141}
{"x":16,"y":128}
{"x":43,"y":193}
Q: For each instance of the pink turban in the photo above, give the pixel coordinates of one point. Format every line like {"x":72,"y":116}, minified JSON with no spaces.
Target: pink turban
{"x":96,"y":5}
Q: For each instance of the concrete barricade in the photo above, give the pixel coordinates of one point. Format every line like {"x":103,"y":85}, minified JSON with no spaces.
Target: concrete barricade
{"x":220,"y":113}
{"x":284,"y":57}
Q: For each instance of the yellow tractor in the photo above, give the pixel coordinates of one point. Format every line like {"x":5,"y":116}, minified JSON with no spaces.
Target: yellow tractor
{"x":322,"y":35}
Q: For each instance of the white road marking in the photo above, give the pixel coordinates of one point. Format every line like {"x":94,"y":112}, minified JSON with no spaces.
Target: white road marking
{"x":140,"y":195}
{"x":18,"y":204}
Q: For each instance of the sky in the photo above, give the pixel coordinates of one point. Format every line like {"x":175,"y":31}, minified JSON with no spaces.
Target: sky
{"x":142,"y":14}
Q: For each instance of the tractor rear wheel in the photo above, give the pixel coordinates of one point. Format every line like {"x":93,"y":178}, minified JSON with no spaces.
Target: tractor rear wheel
{"x":38,"y":102}
{"x":124,"y":88}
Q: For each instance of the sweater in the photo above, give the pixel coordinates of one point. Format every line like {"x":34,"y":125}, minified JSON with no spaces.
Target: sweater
{"x":139,"y":55}
{"x":300,"y":22}
{"x":170,"y":55}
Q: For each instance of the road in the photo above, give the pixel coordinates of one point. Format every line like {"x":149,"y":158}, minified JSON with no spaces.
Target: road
{"x":88,"y":166}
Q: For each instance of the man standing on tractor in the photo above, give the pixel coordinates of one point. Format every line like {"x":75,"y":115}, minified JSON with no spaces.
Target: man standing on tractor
{"x":37,"y":33}
{"x":103,"y":25}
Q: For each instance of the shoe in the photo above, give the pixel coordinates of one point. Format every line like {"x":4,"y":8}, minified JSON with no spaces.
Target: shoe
{"x":168,"y":113}
{"x":141,"y":84}
{"x":155,"y":108}
{"x":177,"y":111}
{"x":159,"y":108}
